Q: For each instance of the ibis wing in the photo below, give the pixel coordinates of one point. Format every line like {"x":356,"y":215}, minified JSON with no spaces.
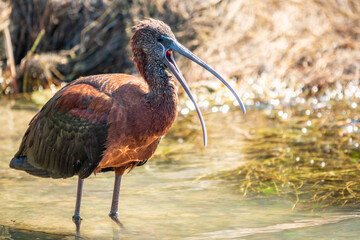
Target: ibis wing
{"x":68,"y":135}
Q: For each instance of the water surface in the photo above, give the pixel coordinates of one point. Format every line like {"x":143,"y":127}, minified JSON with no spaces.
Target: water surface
{"x":168,"y":198}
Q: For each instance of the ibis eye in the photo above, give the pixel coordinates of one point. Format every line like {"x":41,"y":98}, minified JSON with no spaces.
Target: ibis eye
{"x":160,"y":39}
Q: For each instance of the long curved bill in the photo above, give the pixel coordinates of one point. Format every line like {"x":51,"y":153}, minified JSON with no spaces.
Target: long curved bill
{"x":170,"y":63}
{"x":168,"y":60}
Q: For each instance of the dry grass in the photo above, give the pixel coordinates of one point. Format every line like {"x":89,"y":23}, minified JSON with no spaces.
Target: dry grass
{"x":315,"y":42}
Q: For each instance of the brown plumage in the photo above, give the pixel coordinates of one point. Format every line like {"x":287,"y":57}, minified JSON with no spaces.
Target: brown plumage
{"x":111,"y":121}
{"x":104,"y":121}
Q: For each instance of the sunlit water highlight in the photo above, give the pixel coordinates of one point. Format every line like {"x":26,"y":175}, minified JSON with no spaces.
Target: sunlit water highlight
{"x":163,"y":199}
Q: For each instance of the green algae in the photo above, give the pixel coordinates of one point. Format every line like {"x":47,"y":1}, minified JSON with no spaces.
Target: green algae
{"x":310,"y":157}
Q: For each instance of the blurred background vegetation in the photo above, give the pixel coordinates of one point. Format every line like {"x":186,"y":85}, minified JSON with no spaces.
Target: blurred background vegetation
{"x":297,"y":63}
{"x":315,"y":42}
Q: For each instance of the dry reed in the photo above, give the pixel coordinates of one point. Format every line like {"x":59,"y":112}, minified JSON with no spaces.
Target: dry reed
{"x":315,"y":42}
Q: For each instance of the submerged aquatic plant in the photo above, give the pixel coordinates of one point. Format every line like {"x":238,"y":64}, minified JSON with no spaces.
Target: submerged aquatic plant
{"x":311,"y":156}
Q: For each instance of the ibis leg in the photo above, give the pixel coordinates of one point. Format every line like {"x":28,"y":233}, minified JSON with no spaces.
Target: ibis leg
{"x":115,"y":201}
{"x":76,"y":218}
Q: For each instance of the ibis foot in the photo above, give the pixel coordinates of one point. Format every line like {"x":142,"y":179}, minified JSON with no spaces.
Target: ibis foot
{"x":77,"y":220}
{"x":115,"y":217}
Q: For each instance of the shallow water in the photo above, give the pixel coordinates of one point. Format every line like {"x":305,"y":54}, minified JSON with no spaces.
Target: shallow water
{"x":163,"y":199}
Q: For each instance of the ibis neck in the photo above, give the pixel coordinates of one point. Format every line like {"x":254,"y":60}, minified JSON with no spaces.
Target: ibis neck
{"x":162,"y":99}
{"x":161,"y":85}
{"x":162,"y":91}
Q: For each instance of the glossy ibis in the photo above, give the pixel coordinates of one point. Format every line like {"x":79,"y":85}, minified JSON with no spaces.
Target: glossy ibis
{"x":111,"y":121}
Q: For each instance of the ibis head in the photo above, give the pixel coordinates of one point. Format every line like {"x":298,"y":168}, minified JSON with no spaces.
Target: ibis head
{"x":157,"y":43}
